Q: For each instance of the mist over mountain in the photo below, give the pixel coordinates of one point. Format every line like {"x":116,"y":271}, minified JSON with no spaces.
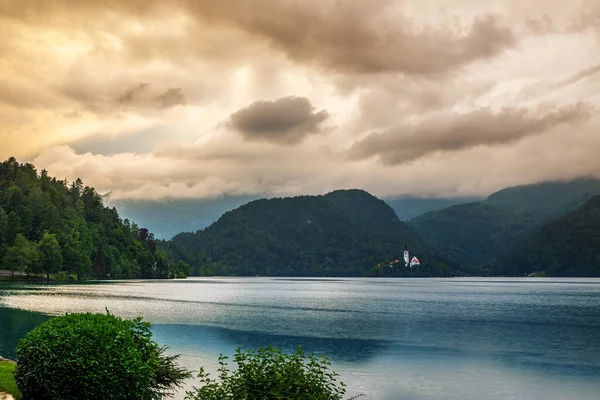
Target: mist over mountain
{"x":170,"y":217}
{"x":407,"y":208}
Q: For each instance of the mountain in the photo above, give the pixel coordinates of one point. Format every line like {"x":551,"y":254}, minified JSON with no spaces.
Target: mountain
{"x":170,"y":217}
{"x":567,"y":246}
{"x":48,"y":226}
{"x":476,"y":235}
{"x":343,"y":233}
{"x":407,"y":208}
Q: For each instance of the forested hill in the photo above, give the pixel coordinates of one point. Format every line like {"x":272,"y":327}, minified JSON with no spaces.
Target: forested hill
{"x":49,"y":226}
{"x":343,"y":233}
{"x":567,"y":246}
{"x":479,"y":234}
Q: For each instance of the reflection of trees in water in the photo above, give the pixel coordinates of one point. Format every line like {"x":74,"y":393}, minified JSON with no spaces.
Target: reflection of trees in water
{"x":206,"y":338}
{"x":14,"y":324}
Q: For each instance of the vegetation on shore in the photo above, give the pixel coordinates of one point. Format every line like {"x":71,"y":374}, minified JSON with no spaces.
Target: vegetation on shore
{"x":269,"y":373}
{"x":7,"y":379}
{"x":101,"y":356}
{"x":50,"y":226}
{"x":95,"y":356}
{"x":55,"y":230}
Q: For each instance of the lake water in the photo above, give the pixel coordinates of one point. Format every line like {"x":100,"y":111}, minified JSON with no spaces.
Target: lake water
{"x":409,"y":339}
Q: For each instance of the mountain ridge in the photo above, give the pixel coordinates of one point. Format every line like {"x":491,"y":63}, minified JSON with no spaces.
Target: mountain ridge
{"x":477,"y":235}
{"x":342,"y":233}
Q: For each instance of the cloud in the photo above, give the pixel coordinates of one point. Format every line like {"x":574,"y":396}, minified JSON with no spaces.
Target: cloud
{"x":454,"y":131}
{"x":341,"y":36}
{"x":133,"y":94}
{"x":561,"y":153}
{"x":148,"y":98}
{"x":140,"y":96}
{"x":284,"y":121}
{"x":171,"y":97}
{"x":546,"y":86}
{"x":361,"y":37}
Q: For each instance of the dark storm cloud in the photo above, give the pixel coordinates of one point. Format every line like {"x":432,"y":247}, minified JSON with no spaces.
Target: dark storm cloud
{"x":285,"y":121}
{"x":454,"y":132}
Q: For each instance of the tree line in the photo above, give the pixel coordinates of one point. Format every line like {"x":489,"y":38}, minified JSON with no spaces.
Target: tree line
{"x":50,"y":226}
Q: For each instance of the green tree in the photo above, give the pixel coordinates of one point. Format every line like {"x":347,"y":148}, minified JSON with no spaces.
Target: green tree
{"x":50,"y":254}
{"x":76,"y":259}
{"x":19,"y":257}
{"x":3,"y":231}
{"x":182,"y":269}
{"x":271,"y":374}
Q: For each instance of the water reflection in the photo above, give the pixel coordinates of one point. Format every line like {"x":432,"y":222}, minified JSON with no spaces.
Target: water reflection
{"x":14,"y":324}
{"x":214,"y":340}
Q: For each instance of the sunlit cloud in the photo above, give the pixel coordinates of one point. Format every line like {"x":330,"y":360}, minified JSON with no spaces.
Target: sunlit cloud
{"x":150,"y":100}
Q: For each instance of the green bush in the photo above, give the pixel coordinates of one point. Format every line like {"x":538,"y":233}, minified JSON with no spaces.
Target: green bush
{"x":270,"y":374}
{"x":62,"y":276}
{"x":95,"y":356}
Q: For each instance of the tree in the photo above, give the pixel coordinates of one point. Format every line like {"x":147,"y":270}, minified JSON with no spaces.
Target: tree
{"x":161,"y":269}
{"x":76,"y":258}
{"x":19,"y":257}
{"x":95,"y":356}
{"x":269,"y":373}
{"x":50,"y":254}
{"x":88,"y":233}
{"x":182,"y":269}
{"x":3,"y":231}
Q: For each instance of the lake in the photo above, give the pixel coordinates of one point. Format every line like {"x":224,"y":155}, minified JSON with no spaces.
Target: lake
{"x":411,"y":339}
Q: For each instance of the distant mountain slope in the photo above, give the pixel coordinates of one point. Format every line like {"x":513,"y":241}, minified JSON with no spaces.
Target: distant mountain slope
{"x":343,"y":233}
{"x":567,"y":246}
{"x":547,"y":199}
{"x":479,"y":233}
{"x":411,"y":207}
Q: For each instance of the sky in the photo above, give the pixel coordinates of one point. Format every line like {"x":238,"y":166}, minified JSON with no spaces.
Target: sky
{"x":185,"y":99}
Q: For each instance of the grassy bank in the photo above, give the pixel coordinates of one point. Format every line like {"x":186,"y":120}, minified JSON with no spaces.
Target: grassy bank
{"x":7,"y":379}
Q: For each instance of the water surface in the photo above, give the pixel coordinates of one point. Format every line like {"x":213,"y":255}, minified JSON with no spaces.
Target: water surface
{"x":411,"y":339}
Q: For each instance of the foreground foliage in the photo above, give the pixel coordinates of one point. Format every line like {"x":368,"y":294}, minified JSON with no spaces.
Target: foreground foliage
{"x":270,"y":374}
{"x":94,"y":356}
{"x":48,"y":225}
{"x":7,"y":379}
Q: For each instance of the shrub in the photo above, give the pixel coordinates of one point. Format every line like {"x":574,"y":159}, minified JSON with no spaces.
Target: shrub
{"x":62,"y":276}
{"x":270,"y":374}
{"x":95,"y":356}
